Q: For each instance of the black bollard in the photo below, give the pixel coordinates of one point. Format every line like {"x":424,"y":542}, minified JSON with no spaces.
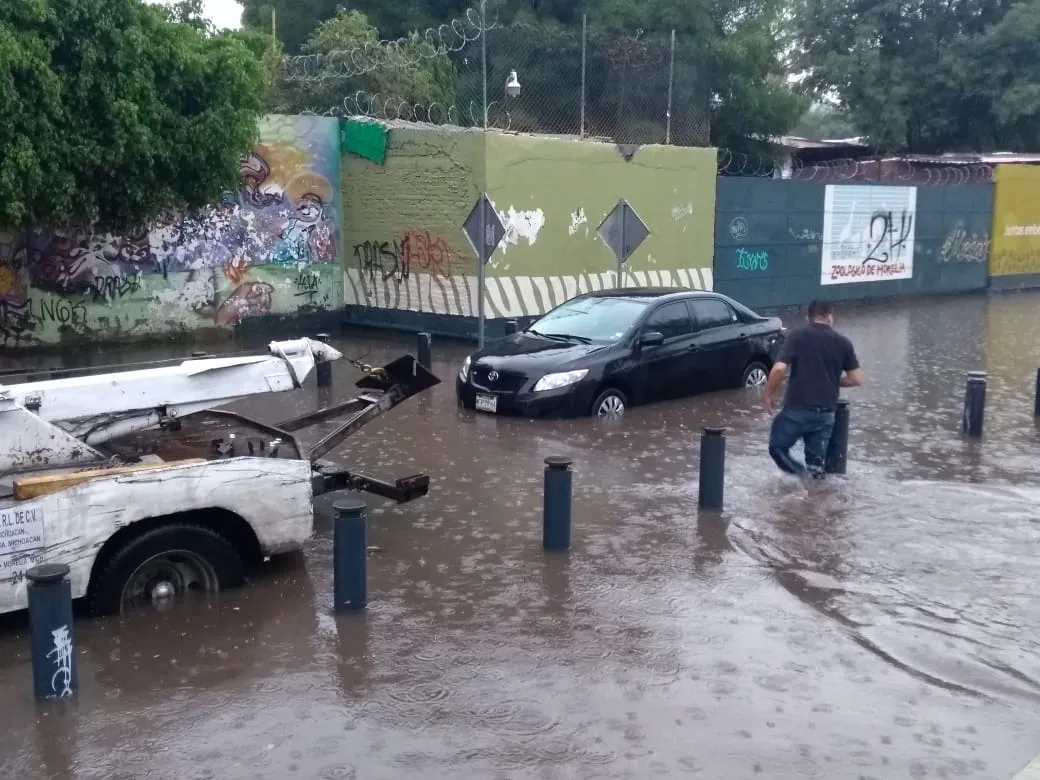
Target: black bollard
{"x":1036,"y":396}
{"x":511,"y":327}
{"x":556,"y":506}
{"x":974,"y":404}
{"x":713,"y":468}
{"x":323,"y":368}
{"x":838,"y":447}
{"x":50,"y":631}
{"x":350,"y":554}
{"x":424,"y":350}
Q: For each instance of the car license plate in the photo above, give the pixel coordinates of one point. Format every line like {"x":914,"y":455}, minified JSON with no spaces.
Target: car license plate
{"x":487,"y":403}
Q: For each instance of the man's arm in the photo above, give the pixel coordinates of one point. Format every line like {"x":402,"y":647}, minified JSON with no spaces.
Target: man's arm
{"x":776,"y":376}
{"x":853,"y":376}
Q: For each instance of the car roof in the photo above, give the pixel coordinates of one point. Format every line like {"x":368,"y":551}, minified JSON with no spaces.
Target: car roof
{"x":640,"y":293}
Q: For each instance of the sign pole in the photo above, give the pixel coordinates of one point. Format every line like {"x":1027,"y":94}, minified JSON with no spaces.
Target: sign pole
{"x":624,"y":249}
{"x":481,"y":276}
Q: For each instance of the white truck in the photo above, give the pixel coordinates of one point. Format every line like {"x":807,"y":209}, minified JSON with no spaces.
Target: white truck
{"x":147,"y":492}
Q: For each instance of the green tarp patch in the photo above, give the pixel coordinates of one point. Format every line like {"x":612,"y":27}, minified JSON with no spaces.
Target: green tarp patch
{"x":364,"y":138}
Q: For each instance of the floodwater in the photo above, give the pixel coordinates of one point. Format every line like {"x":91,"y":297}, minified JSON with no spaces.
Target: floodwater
{"x":878,"y":626}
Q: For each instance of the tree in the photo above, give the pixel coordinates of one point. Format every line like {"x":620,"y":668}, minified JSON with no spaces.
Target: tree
{"x":350,"y":59}
{"x":114,"y":114}
{"x":823,"y":121}
{"x":928,"y":76}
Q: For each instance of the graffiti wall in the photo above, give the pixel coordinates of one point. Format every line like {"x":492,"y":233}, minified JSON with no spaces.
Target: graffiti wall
{"x":270,"y":248}
{"x":1015,"y":260}
{"x":404,"y":248}
{"x":782,"y":242}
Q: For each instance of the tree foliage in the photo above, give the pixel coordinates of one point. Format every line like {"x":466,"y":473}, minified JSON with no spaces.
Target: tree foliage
{"x":931,"y":75}
{"x":349,"y":43}
{"x":114,"y":113}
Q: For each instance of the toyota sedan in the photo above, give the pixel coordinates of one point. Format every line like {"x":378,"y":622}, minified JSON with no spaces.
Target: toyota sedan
{"x":601,"y":352}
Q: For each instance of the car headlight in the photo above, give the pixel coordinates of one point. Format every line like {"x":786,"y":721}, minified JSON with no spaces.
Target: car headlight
{"x":464,"y":369}
{"x":556,"y":381}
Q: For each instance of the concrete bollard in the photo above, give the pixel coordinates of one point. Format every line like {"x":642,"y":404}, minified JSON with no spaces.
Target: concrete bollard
{"x":50,"y":631}
{"x":838,"y":447}
{"x":323,"y":368}
{"x":711,"y":486}
{"x":350,"y":556}
{"x":1036,"y":396}
{"x":511,"y":327}
{"x":556,"y":505}
{"x":424,"y":350}
{"x":974,"y":404}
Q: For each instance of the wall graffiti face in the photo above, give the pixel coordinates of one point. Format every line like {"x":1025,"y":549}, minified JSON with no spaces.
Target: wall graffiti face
{"x":868,"y":233}
{"x":244,"y":257}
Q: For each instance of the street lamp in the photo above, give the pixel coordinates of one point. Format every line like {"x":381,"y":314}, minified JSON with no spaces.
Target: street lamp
{"x":512,"y":85}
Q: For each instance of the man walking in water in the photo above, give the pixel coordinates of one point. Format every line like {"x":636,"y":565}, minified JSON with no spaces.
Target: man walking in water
{"x":819,"y":361}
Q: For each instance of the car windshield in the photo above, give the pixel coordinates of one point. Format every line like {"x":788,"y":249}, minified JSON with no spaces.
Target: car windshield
{"x":590,"y":319}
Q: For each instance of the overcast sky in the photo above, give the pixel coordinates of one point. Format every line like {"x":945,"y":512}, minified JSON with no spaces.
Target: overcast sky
{"x":223,"y":13}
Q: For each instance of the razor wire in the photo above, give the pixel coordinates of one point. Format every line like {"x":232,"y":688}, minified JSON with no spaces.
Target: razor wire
{"x":921,"y":172}
{"x":406,"y":52}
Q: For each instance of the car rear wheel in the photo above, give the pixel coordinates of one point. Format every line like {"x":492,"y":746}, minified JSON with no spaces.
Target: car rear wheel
{"x":610,"y":404}
{"x":755,"y":374}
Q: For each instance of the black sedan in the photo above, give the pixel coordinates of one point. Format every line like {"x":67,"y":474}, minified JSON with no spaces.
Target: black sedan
{"x":601,"y":352}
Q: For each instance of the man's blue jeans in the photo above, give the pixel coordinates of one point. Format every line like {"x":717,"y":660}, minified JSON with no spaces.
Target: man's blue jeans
{"x":814,"y":427}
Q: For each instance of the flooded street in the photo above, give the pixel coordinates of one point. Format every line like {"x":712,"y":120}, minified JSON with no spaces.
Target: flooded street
{"x":877,"y":626}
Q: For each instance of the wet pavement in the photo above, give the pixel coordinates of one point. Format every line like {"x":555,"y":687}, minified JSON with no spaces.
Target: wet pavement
{"x":878,"y":626}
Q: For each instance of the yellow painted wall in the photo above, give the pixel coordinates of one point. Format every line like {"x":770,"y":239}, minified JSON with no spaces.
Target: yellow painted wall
{"x":1015,"y":243}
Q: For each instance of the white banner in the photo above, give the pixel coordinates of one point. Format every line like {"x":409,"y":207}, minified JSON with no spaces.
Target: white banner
{"x":868,"y":233}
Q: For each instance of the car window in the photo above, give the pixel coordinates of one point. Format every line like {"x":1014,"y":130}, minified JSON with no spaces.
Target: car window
{"x":712,"y":313}
{"x":672,"y":319}
{"x":593,"y":318}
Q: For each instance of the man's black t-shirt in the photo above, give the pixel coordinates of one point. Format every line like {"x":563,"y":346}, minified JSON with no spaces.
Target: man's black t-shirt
{"x":816,"y":356}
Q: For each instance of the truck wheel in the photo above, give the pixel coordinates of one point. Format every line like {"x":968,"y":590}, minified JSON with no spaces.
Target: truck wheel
{"x":164,"y":565}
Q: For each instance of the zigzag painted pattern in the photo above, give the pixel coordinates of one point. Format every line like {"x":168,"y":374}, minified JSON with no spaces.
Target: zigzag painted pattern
{"x":507,"y":296}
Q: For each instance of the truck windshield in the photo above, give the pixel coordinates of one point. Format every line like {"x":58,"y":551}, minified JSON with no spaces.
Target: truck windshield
{"x":590,"y":319}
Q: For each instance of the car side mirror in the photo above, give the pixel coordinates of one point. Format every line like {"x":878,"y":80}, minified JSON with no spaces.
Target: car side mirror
{"x":651,"y":339}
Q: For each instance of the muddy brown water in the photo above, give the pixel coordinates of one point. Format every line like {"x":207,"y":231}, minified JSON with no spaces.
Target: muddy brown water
{"x":883,"y":625}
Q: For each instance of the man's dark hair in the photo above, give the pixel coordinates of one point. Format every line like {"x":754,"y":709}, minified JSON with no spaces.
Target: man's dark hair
{"x":819,"y":309}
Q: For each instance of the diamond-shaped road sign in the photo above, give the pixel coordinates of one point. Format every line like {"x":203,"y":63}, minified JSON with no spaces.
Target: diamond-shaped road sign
{"x":494,"y":230}
{"x":622,"y":231}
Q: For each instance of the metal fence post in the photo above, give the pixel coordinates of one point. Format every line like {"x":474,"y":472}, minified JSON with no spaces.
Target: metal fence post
{"x":424,"y":350}
{"x":1036,"y":396}
{"x":838,"y":447}
{"x":711,"y":484}
{"x":974,"y":404}
{"x":556,"y":506}
{"x":322,"y":367}
{"x":50,"y":631}
{"x":350,"y":556}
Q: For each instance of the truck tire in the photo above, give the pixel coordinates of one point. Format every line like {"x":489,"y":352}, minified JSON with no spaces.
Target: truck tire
{"x":165,"y":562}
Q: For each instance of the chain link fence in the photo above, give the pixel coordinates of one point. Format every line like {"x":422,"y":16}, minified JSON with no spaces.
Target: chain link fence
{"x":540,"y":77}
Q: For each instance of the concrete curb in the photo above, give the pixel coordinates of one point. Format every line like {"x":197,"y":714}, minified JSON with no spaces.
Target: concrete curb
{"x":1030,"y":772}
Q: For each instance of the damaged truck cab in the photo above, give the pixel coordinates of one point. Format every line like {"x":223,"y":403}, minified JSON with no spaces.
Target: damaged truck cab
{"x":147,"y":492}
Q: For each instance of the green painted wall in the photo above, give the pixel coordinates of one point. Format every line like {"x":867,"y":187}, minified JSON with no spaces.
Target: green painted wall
{"x":404,"y":251}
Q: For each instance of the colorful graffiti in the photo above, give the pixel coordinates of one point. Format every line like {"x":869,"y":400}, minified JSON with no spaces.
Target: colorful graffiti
{"x":243,"y":258}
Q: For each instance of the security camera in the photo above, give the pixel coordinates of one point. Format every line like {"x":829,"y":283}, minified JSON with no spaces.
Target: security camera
{"x":512,"y":85}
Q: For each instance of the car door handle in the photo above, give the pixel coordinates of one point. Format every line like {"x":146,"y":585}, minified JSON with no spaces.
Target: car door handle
{"x":695,"y":347}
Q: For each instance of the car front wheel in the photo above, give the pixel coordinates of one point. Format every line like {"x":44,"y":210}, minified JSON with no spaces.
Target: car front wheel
{"x":755,"y":375}
{"x":609,"y":404}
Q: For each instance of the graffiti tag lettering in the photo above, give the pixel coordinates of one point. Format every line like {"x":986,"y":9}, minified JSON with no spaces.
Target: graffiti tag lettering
{"x":306,"y":284}
{"x":61,"y":311}
{"x":748,"y":260}
{"x":431,"y":253}
{"x":109,"y":288}
{"x":882,"y":227}
{"x":961,"y":246}
{"x":382,"y":260}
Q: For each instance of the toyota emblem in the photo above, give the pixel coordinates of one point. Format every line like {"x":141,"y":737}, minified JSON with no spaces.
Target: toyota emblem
{"x":492,"y":376}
